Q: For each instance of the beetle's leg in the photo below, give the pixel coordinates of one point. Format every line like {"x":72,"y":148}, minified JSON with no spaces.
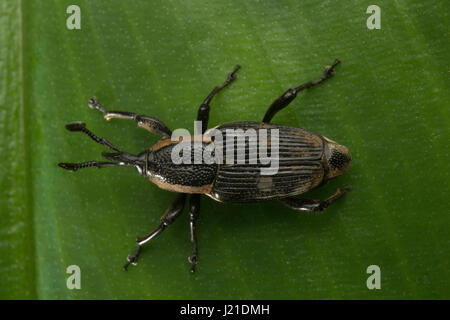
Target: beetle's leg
{"x":149,"y":123}
{"x":287,"y":97}
{"x":81,"y":126}
{"x":194,"y":209}
{"x":313,"y":205}
{"x":167,"y":219}
{"x":203,"y":111}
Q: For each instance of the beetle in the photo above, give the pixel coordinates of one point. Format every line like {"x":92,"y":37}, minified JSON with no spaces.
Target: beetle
{"x":305,"y":161}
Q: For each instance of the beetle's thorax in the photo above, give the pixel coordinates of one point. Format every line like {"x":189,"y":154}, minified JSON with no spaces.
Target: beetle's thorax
{"x":338,"y":158}
{"x":185,"y":177}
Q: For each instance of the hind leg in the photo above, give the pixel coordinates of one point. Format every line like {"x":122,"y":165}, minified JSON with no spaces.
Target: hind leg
{"x":300,"y":204}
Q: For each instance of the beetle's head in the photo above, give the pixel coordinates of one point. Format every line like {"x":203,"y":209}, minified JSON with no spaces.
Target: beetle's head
{"x":338,"y":158}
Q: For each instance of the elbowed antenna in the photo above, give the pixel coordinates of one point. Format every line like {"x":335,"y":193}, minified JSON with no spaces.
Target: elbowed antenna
{"x":76,"y":166}
{"x":81,"y":126}
{"x":120,"y":158}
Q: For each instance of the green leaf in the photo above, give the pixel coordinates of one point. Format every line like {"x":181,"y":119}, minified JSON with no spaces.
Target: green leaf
{"x":389,"y":103}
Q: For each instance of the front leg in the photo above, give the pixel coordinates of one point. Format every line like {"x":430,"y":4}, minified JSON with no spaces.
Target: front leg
{"x":149,"y":123}
{"x":300,"y":204}
{"x":167,"y":219}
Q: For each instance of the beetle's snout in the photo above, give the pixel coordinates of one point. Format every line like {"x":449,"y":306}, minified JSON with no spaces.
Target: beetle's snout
{"x":130,"y":160}
{"x":338,"y":158}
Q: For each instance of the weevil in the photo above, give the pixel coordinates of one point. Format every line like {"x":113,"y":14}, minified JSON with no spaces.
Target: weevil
{"x":305,"y":161}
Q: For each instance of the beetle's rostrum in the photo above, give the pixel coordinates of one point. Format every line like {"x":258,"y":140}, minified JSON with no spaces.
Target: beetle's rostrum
{"x":305,"y":160}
